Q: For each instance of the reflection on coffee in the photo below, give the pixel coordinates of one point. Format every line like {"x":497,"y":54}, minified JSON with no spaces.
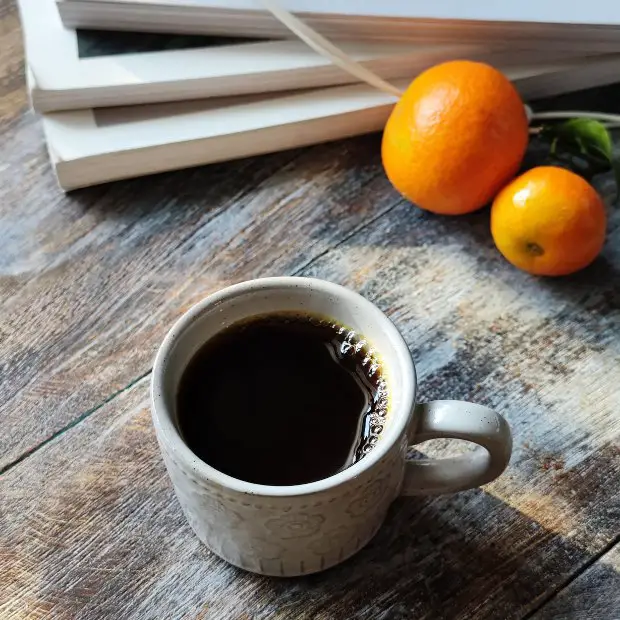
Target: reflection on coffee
{"x":282,"y":399}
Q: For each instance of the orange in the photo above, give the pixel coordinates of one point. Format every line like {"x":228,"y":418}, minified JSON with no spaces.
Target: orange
{"x":455,"y":138}
{"x":549,"y":221}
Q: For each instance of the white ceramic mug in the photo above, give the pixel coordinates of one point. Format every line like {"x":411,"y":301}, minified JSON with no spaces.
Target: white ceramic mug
{"x":295,"y":530}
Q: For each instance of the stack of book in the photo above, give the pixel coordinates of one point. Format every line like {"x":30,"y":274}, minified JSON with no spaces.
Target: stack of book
{"x":117,"y":105}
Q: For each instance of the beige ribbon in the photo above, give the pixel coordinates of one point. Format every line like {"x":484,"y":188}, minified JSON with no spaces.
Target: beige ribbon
{"x":324,"y":47}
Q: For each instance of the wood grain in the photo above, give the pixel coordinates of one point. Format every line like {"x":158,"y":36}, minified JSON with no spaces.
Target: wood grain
{"x":594,"y":595}
{"x":96,"y":530}
{"x":13,"y":98}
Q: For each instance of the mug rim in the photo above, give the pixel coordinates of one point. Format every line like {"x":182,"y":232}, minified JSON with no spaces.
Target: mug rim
{"x":168,"y":432}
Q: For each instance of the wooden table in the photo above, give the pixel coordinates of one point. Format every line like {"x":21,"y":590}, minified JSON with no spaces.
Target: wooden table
{"x":90,"y":283}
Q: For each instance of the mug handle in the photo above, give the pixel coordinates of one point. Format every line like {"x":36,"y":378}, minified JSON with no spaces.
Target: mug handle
{"x":456,"y":419}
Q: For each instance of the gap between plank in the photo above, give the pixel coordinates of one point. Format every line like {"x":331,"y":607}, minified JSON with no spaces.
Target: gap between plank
{"x":349,"y":235}
{"x":73,"y":423}
{"x":89,"y":412}
{"x":582,"y":569}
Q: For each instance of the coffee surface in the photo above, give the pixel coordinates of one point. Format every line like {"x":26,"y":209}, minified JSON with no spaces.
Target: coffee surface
{"x":282,"y":399}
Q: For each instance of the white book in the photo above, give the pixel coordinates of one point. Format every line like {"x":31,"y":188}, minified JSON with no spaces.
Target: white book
{"x":61,"y":80}
{"x":592,"y":25}
{"x":94,"y":146}
{"x":544,"y":11}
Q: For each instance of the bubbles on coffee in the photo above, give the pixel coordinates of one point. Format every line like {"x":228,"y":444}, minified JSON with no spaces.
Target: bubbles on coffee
{"x":362,"y":361}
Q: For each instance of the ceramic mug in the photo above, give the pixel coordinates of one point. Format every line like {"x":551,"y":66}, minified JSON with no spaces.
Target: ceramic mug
{"x":296,"y":530}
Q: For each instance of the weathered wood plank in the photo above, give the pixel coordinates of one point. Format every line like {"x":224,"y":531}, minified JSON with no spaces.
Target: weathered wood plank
{"x":95,"y":530}
{"x":13,"y":98}
{"x":594,"y":595}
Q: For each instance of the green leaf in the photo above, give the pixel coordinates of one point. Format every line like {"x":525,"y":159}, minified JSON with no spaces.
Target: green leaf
{"x":585,"y":136}
{"x":591,"y":135}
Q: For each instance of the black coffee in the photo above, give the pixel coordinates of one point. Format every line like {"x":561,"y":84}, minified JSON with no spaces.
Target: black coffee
{"x":282,"y":399}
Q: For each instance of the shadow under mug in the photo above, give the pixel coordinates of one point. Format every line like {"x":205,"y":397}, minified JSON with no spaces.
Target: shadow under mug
{"x":296,"y":530}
